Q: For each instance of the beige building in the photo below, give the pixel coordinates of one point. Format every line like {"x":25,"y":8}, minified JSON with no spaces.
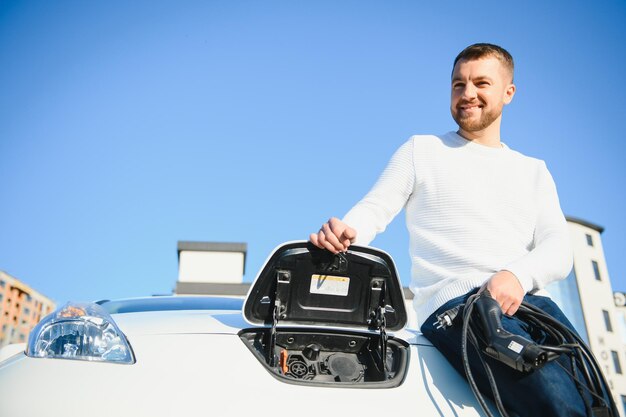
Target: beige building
{"x":21,"y":308}
{"x":587,"y":298}
{"x":215,"y":268}
{"x":620,"y":305}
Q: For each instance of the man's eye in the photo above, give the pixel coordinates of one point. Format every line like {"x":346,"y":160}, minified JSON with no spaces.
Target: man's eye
{"x":458,"y":85}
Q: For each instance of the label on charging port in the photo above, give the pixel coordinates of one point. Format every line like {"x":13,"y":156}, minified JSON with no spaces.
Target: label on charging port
{"x":329,"y":285}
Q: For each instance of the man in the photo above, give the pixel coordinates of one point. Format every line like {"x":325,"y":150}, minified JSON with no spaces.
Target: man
{"x":479,"y":215}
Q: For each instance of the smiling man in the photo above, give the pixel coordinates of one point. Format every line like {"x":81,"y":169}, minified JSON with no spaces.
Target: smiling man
{"x":479,"y":215}
{"x":480,"y":90}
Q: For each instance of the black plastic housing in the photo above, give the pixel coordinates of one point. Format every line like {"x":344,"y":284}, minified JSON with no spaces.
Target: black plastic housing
{"x":329,"y":358}
{"x":323,"y":318}
{"x":289,"y":277}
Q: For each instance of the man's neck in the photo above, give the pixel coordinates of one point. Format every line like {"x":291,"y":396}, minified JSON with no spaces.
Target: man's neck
{"x":489,"y":136}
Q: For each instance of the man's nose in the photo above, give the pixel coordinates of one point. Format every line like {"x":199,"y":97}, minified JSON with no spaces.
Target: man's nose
{"x":469,"y":92}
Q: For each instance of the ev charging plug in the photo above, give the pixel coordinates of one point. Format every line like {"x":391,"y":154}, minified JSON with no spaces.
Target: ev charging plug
{"x":513,"y":350}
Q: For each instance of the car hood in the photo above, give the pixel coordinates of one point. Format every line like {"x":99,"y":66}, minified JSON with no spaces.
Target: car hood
{"x":207,"y":322}
{"x":180,"y":322}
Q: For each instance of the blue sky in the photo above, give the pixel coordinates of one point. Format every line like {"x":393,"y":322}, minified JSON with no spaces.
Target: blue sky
{"x":128,"y":126}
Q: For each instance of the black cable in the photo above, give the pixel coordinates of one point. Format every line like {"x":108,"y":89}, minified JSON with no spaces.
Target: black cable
{"x":572,"y":375}
{"x":597,"y":379}
{"x":490,"y":378}
{"x":585,"y":359}
{"x":467,"y":313}
{"x":579,"y":386}
{"x":559,"y":340}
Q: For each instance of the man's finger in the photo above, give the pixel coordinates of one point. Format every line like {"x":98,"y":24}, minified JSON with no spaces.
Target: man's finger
{"x":331,"y":238}
{"x":335,"y":224}
{"x":313,"y":240}
{"x":512,"y":309}
{"x":349,"y":233}
{"x":505,"y":306}
{"x":321,"y":238}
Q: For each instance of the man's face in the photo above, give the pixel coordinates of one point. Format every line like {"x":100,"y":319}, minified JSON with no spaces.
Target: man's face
{"x":480,"y":89}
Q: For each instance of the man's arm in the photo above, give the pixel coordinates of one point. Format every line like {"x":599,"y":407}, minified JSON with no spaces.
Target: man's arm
{"x":550,"y":259}
{"x":375,"y":211}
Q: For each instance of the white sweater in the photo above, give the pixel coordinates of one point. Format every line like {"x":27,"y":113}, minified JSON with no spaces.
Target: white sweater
{"x":471,"y":211}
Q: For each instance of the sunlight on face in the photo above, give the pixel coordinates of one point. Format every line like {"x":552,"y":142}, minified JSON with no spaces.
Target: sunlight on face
{"x":480,"y":89}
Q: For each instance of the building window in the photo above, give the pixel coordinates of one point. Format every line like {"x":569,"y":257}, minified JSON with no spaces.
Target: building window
{"x":1,"y":297}
{"x":607,"y":321}
{"x":28,"y":298}
{"x":589,"y":239}
{"x":22,"y":337}
{"x":2,"y":284}
{"x":26,"y":311}
{"x":618,"y":366}
{"x":596,"y":270}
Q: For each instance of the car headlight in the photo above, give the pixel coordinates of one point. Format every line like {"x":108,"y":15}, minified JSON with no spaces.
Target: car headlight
{"x":80,"y":331}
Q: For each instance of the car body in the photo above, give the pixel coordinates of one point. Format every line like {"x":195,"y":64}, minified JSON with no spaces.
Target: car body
{"x":199,"y":356}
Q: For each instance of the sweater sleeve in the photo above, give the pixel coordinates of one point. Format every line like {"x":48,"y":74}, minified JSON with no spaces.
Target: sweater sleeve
{"x":551,"y":256}
{"x":384,"y":201}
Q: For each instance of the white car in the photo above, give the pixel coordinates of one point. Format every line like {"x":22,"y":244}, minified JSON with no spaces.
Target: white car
{"x":318,"y":335}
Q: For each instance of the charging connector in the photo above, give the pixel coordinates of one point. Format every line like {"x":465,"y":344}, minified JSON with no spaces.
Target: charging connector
{"x":446,"y":319}
{"x":483,"y":314}
{"x":515,"y":351}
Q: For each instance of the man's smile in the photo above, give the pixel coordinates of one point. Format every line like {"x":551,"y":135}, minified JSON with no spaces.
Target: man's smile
{"x":469,"y":108}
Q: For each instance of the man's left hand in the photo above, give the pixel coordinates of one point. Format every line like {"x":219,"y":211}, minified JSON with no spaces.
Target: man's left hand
{"x":506,"y":289}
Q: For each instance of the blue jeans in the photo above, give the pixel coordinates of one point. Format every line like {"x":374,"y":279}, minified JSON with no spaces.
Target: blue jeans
{"x":548,"y":391}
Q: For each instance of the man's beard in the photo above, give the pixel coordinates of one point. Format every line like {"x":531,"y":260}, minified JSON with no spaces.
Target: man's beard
{"x":470,"y":124}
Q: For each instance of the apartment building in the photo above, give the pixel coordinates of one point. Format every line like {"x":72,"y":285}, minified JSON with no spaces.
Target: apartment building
{"x":587,"y":298}
{"x":21,"y":308}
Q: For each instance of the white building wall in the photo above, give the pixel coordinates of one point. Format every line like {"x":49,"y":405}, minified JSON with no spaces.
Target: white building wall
{"x":596,"y":297}
{"x":199,"y":266}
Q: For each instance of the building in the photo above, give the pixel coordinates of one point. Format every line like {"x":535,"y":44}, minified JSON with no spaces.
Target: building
{"x":21,"y":308}
{"x":215,"y":268}
{"x":620,"y":305}
{"x":587,"y":298}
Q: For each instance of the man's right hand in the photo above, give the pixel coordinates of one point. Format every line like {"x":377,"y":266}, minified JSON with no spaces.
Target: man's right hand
{"x":334,"y":235}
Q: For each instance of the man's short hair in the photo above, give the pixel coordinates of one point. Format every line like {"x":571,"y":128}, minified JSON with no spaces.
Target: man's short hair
{"x":485,"y":50}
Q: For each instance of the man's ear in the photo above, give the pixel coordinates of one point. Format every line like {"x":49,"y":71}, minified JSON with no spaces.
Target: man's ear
{"x":509,"y":92}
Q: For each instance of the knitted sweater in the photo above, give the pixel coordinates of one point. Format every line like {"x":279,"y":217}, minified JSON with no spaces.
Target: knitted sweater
{"x":471,"y":211}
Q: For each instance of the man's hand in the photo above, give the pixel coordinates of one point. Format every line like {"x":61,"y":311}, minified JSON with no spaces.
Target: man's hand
{"x":506,"y":289}
{"x":334,"y":235}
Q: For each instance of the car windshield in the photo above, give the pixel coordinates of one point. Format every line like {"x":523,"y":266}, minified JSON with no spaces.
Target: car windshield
{"x":171,"y":303}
